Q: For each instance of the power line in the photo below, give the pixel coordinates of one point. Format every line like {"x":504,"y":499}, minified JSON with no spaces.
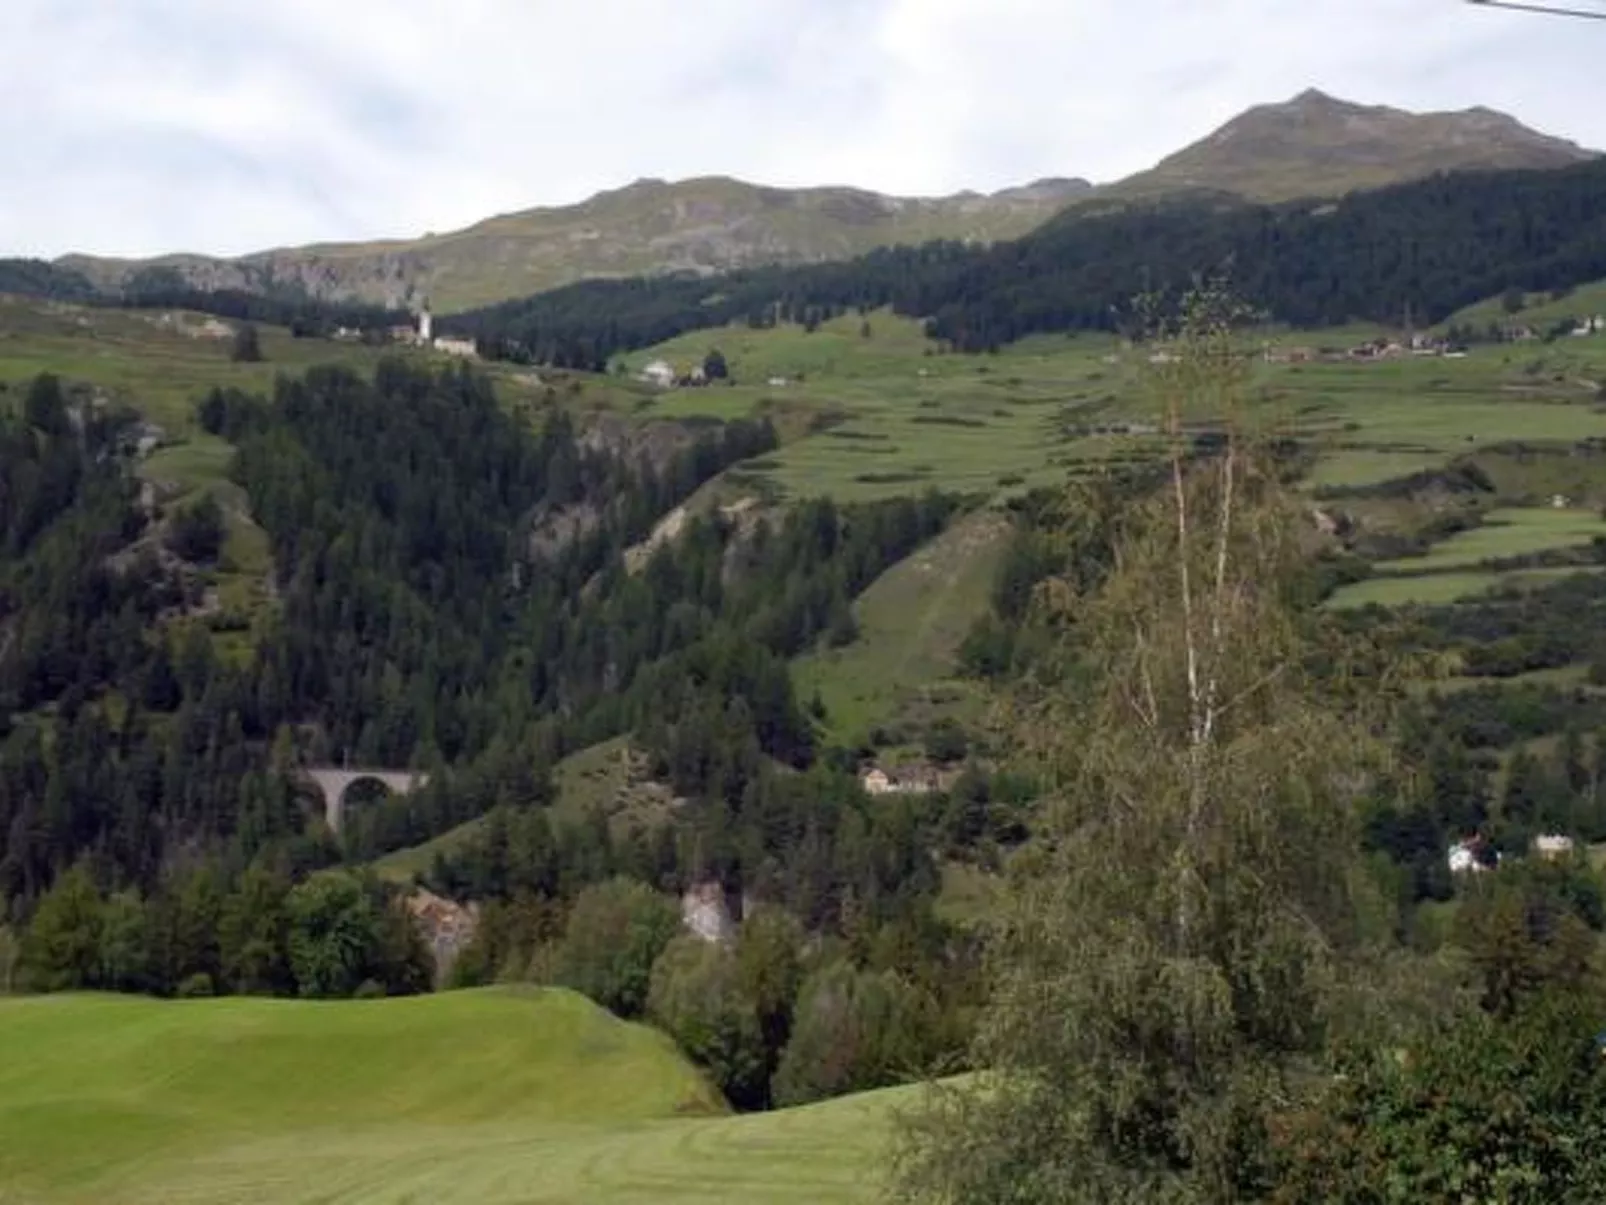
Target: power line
{"x":1588,"y":14}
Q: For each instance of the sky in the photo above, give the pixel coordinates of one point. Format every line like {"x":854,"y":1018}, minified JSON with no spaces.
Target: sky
{"x":134,"y":127}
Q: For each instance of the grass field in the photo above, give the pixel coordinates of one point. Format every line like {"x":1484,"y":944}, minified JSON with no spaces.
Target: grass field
{"x":912,"y":620}
{"x":1451,"y":571}
{"x":903,"y":417}
{"x":486,"y":1096}
{"x":1507,"y":533}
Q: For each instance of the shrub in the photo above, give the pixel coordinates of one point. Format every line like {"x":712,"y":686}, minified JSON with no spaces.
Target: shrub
{"x":615,"y":933}
{"x":198,"y":986}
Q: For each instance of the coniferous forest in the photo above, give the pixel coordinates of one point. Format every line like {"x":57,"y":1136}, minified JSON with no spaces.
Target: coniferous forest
{"x":451,"y":594}
{"x":1417,"y":251}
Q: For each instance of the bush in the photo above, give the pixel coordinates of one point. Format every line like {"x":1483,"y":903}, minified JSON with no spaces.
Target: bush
{"x":615,"y":933}
{"x":369,"y":989}
{"x":247,"y":345}
{"x":855,"y":1030}
{"x":697,"y":996}
{"x":198,"y":986}
{"x":1483,"y":1111}
{"x":196,"y":533}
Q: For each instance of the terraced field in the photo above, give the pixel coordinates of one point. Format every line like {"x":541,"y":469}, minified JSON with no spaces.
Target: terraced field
{"x":1460,"y":566}
{"x":489,"y":1096}
{"x":894,"y":416}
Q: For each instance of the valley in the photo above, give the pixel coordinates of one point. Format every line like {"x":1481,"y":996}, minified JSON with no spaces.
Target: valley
{"x":1074,"y":693}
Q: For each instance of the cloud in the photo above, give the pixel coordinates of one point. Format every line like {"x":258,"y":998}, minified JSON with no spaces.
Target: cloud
{"x":153,"y":125}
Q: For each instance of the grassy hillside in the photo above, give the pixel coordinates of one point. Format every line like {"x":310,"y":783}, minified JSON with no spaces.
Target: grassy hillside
{"x":912,"y":620}
{"x":475,"y":1096}
{"x":1540,"y":311}
{"x":891,"y":416}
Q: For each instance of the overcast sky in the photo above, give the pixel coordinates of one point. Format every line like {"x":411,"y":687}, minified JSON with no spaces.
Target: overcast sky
{"x":140,"y":126}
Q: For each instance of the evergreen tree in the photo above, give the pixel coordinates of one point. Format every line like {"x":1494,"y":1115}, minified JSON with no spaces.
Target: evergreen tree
{"x":246,"y":347}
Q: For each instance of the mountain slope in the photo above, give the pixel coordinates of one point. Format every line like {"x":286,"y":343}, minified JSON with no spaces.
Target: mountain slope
{"x":1312,"y":145}
{"x":703,"y":225}
{"x":1318,"y":145}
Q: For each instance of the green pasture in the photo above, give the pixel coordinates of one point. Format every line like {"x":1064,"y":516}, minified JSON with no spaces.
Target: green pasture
{"x":1539,"y":311}
{"x":1506,"y":533}
{"x":486,"y":1096}
{"x":893,"y":415}
{"x":1450,"y":571}
{"x":912,"y":620}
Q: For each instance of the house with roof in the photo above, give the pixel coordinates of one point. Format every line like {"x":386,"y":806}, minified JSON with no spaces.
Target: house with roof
{"x":913,"y":778}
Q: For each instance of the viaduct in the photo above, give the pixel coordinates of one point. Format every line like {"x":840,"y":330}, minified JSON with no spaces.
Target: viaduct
{"x":332,"y":782}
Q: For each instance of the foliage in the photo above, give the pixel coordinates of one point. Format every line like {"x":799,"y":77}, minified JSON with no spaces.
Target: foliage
{"x":340,"y":936}
{"x":10,"y":955}
{"x":62,"y":948}
{"x":1305,"y":265}
{"x":1170,"y":949}
{"x":698,"y":997}
{"x":616,"y":931}
{"x":246,"y":347}
{"x":853,"y":1030}
{"x":1484,"y":1110}
{"x":196,"y":533}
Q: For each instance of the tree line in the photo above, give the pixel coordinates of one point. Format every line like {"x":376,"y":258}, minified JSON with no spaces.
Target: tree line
{"x":1417,"y":251}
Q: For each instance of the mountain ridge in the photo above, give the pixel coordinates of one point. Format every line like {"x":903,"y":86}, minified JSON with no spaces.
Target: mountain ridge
{"x":1316,"y":144}
{"x":1312,"y":145}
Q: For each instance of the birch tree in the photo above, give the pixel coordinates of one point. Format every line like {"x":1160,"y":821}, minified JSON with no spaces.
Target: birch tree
{"x":1168,"y":958}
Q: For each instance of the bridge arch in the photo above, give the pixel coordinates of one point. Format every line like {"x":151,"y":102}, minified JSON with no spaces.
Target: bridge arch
{"x":332,"y":782}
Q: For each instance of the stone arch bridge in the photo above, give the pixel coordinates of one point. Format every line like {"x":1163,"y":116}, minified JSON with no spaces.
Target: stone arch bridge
{"x":332,"y":782}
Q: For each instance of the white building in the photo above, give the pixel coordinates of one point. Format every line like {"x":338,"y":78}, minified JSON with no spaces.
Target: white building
{"x":426,"y":326}
{"x":660,"y":373}
{"x":1553,"y":846}
{"x":452,"y":345}
{"x":1463,"y":858}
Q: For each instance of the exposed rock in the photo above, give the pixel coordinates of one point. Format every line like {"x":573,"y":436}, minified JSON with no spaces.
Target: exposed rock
{"x":705,"y":910}
{"x":446,"y":926}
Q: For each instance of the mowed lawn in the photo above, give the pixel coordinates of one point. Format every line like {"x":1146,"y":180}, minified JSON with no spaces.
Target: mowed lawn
{"x":486,"y":1096}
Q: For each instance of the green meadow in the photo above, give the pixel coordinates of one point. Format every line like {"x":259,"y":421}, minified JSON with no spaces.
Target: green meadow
{"x":912,"y":620}
{"x":489,"y":1096}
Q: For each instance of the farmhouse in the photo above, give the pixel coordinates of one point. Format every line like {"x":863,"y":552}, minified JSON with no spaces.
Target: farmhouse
{"x":1553,"y":847}
{"x":901,"y":780}
{"x":453,"y":345}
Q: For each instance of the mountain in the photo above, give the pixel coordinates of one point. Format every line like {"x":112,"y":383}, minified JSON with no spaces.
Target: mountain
{"x":1318,"y":145}
{"x":702,"y":225}
{"x":1312,"y":145}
